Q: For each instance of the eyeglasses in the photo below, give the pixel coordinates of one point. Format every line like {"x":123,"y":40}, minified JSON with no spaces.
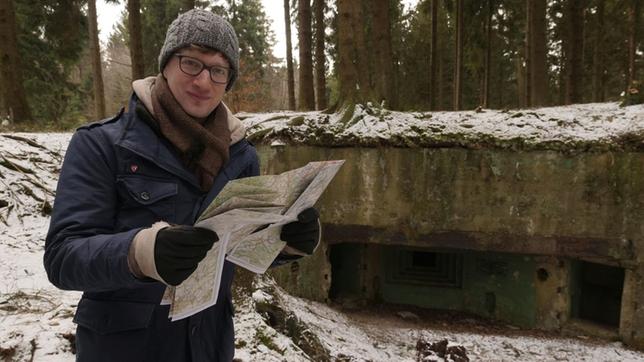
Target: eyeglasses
{"x":193,"y":66}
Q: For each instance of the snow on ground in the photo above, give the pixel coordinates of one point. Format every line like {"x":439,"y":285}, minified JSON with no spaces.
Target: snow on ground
{"x":36,"y":318}
{"x":366,"y":336}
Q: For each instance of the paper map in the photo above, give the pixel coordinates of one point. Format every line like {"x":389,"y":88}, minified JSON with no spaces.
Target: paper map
{"x":242,"y":207}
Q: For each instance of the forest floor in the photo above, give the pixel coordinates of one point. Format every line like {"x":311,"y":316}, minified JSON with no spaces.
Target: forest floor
{"x":271,"y":325}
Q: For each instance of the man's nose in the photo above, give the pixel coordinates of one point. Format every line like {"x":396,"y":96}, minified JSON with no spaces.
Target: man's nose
{"x":203,"y":77}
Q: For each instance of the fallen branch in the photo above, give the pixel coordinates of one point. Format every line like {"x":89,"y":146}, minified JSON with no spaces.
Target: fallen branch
{"x":12,"y":205}
{"x":28,"y":141}
{"x":13,"y":166}
{"x":33,"y":143}
{"x":26,"y":172}
{"x":13,"y":193}
{"x":29,"y":192}
{"x":41,"y":186}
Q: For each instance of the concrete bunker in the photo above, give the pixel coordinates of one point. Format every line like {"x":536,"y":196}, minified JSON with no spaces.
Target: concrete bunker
{"x":495,"y":285}
{"x":540,"y":239}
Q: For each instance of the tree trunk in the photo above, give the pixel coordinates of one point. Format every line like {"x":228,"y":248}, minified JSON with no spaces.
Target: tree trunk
{"x":521,"y":80}
{"x":382,"y":52}
{"x":347,"y":66}
{"x":538,"y":54}
{"x":458,"y":63}
{"x":306,"y":95}
{"x":634,"y":11}
{"x":95,"y":51}
{"x":320,"y":59}
{"x":599,"y":66}
{"x":136,"y":42}
{"x":575,"y":15}
{"x":362,"y":58}
{"x":187,"y":5}
{"x":13,"y":93}
{"x":289,"y":56}
{"x":526,"y":101}
{"x":563,"y":63}
{"x":441,"y":81}
{"x":433,"y":60}
{"x":488,"y":55}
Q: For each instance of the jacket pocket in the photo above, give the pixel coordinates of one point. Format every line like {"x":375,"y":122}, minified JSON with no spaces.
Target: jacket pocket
{"x":145,"y":199}
{"x":147,"y":191}
{"x":107,"y":317}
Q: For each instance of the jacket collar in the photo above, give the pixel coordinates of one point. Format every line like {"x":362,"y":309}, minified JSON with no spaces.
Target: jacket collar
{"x":139,"y":138}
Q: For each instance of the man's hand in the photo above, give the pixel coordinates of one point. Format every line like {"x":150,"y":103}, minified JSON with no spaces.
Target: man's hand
{"x":303,"y":234}
{"x":178,"y":250}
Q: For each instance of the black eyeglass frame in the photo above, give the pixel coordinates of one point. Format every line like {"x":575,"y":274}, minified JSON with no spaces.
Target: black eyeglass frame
{"x":204,"y":66}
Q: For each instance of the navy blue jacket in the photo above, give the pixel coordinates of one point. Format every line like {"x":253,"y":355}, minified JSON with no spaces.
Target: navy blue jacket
{"x":118,"y":177}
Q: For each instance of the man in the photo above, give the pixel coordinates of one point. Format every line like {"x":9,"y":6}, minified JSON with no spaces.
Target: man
{"x":131,"y":186}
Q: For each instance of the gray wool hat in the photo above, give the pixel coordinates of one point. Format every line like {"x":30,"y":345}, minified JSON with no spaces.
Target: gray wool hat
{"x":206,"y":29}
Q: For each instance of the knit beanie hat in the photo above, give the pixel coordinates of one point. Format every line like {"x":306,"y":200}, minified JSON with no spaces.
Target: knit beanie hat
{"x":206,"y":29}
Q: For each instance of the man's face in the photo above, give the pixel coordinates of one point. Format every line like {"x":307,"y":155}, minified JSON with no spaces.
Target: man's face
{"x":198,"y":95}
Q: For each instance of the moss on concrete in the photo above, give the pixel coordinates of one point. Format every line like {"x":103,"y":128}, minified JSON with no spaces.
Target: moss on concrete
{"x":583,"y":205}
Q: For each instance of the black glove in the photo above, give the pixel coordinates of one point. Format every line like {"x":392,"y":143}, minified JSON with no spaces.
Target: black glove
{"x":178,"y":250}
{"x":304,"y":233}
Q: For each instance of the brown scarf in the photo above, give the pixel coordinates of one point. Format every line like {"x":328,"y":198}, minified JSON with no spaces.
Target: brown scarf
{"x":203,"y":145}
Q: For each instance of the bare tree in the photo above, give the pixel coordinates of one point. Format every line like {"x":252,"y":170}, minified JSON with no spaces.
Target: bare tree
{"x":320,"y":67}
{"x":306,"y":95}
{"x":13,"y":93}
{"x":289,"y":56}
{"x":136,"y":42}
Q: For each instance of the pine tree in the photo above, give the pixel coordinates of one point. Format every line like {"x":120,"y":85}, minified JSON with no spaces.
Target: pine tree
{"x":11,"y":80}
{"x":599,"y":91}
{"x":136,"y":46}
{"x":634,"y":15}
{"x":537,"y":53}
{"x":306,"y":95}
{"x":289,"y":56}
{"x":320,"y":58}
{"x":458,"y":57}
{"x":251,"y":91}
{"x":574,"y":51}
{"x":187,"y":5}
{"x":347,"y":63}
{"x":485,"y":101}
{"x":95,"y":51}
{"x":382,"y":52}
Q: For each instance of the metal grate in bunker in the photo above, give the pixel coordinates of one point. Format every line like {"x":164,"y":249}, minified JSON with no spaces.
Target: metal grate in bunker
{"x":429,"y":268}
